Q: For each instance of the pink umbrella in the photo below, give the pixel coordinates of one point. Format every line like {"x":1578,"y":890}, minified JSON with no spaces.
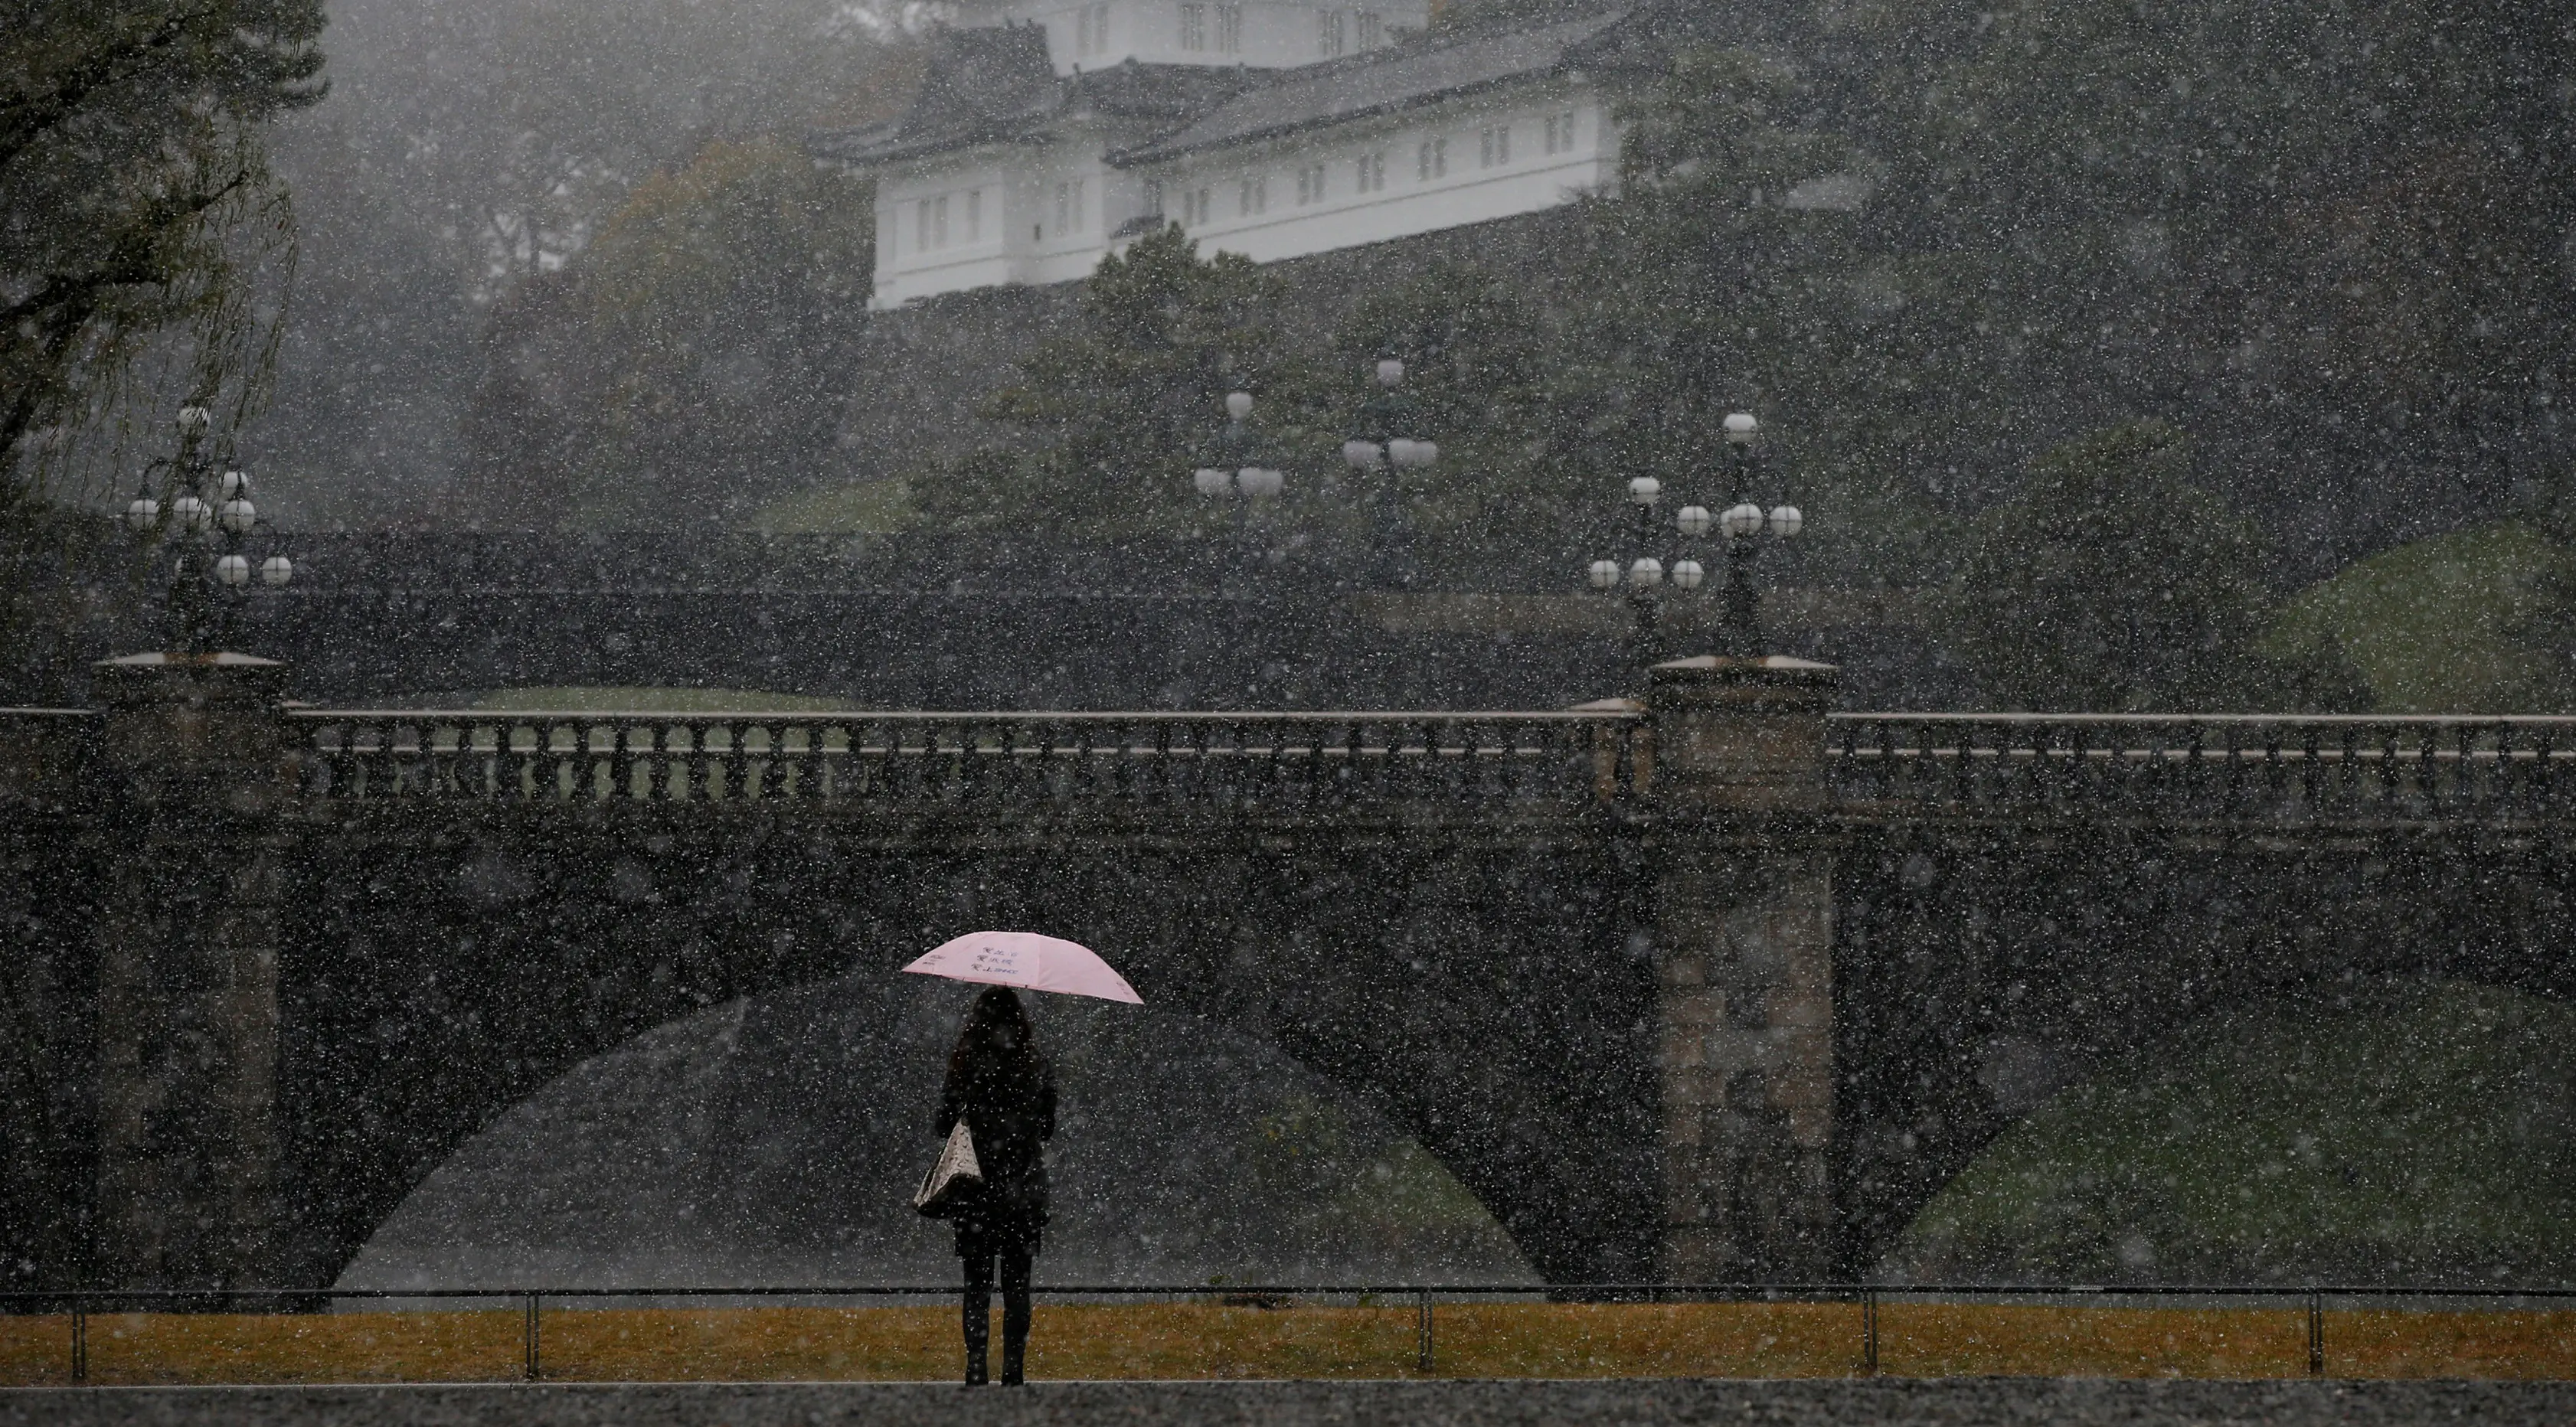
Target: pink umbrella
{"x":1029,"y":961}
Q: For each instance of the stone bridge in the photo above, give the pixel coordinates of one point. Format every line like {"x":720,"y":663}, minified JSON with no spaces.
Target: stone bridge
{"x":1710,"y":985}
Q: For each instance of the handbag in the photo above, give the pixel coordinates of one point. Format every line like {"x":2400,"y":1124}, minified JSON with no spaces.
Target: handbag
{"x":954,"y":1177}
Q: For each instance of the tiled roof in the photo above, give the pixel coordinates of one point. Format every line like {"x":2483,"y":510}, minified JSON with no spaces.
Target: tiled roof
{"x":994,"y":85}
{"x":997,"y":85}
{"x":1379,"y":82}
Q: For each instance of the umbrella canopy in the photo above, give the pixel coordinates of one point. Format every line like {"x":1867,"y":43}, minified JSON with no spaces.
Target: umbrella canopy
{"x":1028,"y":961}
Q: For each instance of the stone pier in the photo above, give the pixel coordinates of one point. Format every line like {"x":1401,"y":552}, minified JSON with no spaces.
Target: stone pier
{"x":1744,"y":940}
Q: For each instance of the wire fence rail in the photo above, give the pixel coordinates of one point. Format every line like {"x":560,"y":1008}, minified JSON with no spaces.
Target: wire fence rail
{"x":2311,"y":1300}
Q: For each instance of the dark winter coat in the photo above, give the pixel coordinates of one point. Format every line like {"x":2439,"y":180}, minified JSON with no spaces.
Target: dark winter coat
{"x":1008,"y":1103}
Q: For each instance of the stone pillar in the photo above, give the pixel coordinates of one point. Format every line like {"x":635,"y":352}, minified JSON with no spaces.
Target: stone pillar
{"x":1744,"y":941}
{"x":188,"y":1146}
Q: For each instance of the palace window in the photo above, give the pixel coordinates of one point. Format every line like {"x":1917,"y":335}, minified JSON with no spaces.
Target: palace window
{"x":1194,"y":28}
{"x":1154,"y":197}
{"x":1256,"y":196}
{"x":1560,"y":133}
{"x":1229,"y":29}
{"x":974,"y":215}
{"x":1328,"y":33}
{"x":1372,"y":172}
{"x":1090,"y":30}
{"x":1494,"y":146}
{"x":1372,"y":30}
{"x":1198,"y":207}
{"x":1310,"y":183}
{"x":1433,"y":160}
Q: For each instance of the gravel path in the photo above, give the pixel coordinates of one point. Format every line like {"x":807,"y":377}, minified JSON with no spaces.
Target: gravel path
{"x":2056,"y":1403}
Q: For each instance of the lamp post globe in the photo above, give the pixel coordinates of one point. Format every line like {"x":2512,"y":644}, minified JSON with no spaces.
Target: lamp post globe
{"x":1604,"y":574}
{"x":143,"y":512}
{"x":1645,"y":490}
{"x":1688,"y":574}
{"x":1741,"y":428}
{"x":1787,"y":521}
{"x":233,"y":570}
{"x":276,"y":570}
{"x":1741,"y":521}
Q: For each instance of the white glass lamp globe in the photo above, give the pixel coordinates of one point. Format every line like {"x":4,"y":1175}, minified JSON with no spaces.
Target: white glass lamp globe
{"x":1389,"y":372}
{"x":1688,"y":575}
{"x":1363,"y":455}
{"x":233,"y":484}
{"x":1238,"y":404}
{"x":191,"y":513}
{"x":142,"y":512}
{"x":1645,"y":490}
{"x":1741,"y":520}
{"x":1603,"y":573}
{"x":1741,"y":428}
{"x":233,"y":570}
{"x":1403,"y":451}
{"x":1259,"y":482}
{"x":276,"y":570}
{"x":1209,"y":480}
{"x":1647,"y":571}
{"x":193,"y":420}
{"x":1426,"y":453}
{"x":238,"y":516}
{"x":1694,"y":521}
{"x":1786,"y":521}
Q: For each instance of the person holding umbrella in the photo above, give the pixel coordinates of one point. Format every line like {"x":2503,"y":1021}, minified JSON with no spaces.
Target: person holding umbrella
{"x":1001,"y":1088}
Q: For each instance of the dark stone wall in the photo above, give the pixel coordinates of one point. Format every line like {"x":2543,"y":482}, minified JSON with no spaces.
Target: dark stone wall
{"x":1485,"y":991}
{"x":1977,"y":971}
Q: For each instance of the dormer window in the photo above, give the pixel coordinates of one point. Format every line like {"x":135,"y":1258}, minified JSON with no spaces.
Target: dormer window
{"x":1090,"y":30}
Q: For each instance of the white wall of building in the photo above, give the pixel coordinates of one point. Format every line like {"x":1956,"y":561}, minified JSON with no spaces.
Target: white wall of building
{"x":1010,"y":214}
{"x":1355,"y":184}
{"x":1261,"y":34}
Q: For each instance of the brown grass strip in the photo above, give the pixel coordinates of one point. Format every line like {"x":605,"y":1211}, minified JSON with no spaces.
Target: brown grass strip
{"x":1194,"y":1340}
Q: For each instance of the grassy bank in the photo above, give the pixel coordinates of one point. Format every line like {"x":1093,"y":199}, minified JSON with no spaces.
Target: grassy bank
{"x":1146,"y":1341}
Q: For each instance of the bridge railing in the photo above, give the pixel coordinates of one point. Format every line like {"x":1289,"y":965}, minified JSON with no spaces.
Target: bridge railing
{"x":1202,"y":758}
{"x":2217,"y":764}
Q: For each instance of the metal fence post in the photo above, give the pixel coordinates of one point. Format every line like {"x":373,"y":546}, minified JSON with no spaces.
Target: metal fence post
{"x":1869,"y":1332}
{"x":80,"y":1339}
{"x":2316,"y":1334}
{"x":535,"y":1364}
{"x":1422,"y":1331}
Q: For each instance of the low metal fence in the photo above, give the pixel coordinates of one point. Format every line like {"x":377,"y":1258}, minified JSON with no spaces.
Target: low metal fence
{"x":531,"y":1304}
{"x":1230,"y":758}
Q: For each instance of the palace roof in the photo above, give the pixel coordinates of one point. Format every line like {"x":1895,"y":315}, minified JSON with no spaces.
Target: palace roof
{"x":986,"y":86}
{"x":1387,"y":81}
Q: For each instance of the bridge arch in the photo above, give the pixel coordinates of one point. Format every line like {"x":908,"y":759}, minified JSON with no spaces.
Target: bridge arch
{"x":1488,"y":998}
{"x":1981,"y":971}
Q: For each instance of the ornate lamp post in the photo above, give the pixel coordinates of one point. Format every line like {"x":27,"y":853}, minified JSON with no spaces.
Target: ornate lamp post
{"x":1740,"y":526}
{"x":207,"y":529}
{"x":1389,"y":433}
{"x":1237,"y":463}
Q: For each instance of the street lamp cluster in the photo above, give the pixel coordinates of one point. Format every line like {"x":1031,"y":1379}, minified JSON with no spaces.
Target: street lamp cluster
{"x":209,"y":521}
{"x":1390,"y":433}
{"x":1740,"y":524}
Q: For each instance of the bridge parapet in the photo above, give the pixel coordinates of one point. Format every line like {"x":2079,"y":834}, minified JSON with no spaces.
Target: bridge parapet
{"x":858,"y":760}
{"x":2228,"y":768}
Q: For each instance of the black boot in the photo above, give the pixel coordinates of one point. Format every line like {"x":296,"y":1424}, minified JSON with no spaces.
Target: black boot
{"x":976,"y":1373}
{"x":1013,"y":1353}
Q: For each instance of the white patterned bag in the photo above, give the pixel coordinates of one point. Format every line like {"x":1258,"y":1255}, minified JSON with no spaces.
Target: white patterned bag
{"x":953,"y":1178}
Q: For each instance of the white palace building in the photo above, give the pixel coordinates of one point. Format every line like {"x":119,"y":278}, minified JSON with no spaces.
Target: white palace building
{"x":1046,"y":134}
